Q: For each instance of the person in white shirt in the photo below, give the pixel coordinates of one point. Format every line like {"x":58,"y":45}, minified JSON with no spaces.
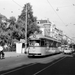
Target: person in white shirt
{"x":1,"y":52}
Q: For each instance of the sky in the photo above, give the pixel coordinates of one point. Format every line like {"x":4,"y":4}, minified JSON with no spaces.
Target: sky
{"x":59,"y":12}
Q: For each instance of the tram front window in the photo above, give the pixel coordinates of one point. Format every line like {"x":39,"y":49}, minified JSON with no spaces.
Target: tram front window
{"x":35,"y":43}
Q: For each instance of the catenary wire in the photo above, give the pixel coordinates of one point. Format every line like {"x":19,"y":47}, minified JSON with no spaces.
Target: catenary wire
{"x":55,"y":12}
{"x":17,"y":3}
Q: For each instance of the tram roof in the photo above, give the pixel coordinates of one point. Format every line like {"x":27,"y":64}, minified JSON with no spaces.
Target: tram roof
{"x":37,"y":37}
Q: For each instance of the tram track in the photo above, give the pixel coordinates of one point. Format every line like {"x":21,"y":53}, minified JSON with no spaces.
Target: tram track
{"x":37,"y":73}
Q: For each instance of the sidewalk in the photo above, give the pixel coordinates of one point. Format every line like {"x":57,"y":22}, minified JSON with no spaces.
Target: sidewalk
{"x":12,"y":54}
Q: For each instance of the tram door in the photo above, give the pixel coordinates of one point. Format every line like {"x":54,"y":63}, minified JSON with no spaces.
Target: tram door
{"x":47,"y":46}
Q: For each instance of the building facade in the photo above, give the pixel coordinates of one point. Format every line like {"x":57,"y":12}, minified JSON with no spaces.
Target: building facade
{"x":49,"y":29}
{"x":45,"y":26}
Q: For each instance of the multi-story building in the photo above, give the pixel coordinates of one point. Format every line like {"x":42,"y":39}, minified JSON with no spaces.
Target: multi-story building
{"x":44,"y":26}
{"x":49,"y":29}
{"x":55,"y":32}
{"x":67,"y":39}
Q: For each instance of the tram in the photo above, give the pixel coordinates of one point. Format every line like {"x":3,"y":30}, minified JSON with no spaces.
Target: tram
{"x":41,"y":45}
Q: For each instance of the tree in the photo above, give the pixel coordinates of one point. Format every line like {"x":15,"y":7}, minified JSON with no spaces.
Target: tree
{"x":3,"y":22}
{"x":15,"y":29}
{"x":3,"y":31}
{"x":7,"y":27}
{"x":12,"y":20}
{"x":31,"y":20}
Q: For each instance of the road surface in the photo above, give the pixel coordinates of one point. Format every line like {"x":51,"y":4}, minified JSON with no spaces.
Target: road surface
{"x":43,"y":66}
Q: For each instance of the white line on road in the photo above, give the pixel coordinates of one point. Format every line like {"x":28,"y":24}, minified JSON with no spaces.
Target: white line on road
{"x":48,"y":66}
{"x":18,"y":69}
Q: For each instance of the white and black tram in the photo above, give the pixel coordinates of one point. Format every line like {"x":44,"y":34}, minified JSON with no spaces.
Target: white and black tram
{"x":41,"y":45}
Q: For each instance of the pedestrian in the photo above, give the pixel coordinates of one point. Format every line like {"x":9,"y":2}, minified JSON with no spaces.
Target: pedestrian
{"x":1,"y":51}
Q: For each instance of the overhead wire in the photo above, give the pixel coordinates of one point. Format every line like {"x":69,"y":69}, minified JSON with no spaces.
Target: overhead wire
{"x":55,"y":12}
{"x":17,"y":3}
{"x":64,"y":7}
{"x":67,"y":6}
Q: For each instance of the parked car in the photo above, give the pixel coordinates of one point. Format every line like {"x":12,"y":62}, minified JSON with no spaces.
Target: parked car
{"x":68,"y":51}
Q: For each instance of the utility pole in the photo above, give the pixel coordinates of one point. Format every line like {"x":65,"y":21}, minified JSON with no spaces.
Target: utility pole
{"x":26,"y":30}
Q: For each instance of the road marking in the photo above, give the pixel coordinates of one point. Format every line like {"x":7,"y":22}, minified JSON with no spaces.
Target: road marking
{"x":18,"y":69}
{"x":48,"y":66}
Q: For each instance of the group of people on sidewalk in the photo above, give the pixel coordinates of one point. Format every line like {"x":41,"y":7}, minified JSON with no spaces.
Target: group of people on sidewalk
{"x":1,"y":51}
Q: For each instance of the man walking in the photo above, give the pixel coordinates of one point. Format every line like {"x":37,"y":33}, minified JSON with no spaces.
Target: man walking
{"x":1,"y":52}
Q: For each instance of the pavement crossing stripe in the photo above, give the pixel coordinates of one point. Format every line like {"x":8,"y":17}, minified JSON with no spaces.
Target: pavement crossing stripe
{"x":48,"y":66}
{"x":18,"y":69}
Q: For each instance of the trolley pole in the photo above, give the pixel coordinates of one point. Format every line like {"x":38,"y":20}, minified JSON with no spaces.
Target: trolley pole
{"x":26,"y":30}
